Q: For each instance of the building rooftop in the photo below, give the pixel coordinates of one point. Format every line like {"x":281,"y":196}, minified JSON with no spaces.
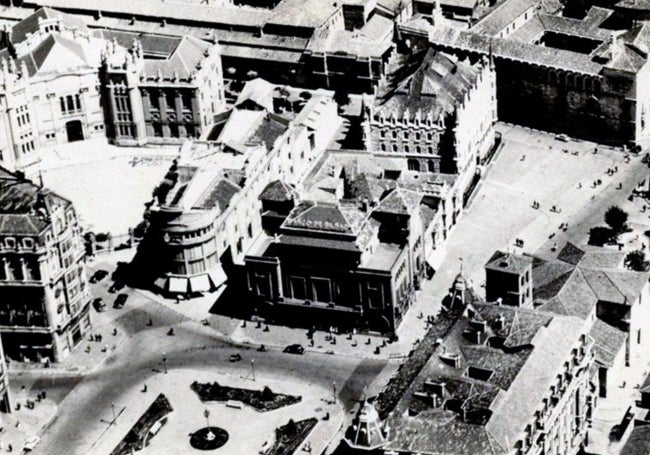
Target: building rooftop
{"x":30,"y":25}
{"x":499,"y":389}
{"x":24,"y":206}
{"x":638,"y":443}
{"x":507,"y":262}
{"x":430,"y":83}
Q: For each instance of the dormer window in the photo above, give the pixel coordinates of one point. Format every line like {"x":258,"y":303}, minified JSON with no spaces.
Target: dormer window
{"x":28,"y":243}
{"x":481,"y":374}
{"x":10,"y":242}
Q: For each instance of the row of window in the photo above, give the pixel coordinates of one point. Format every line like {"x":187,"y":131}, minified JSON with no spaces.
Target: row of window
{"x":406,"y":149}
{"x":70,"y":104}
{"x":12,"y":243}
{"x":406,"y":134}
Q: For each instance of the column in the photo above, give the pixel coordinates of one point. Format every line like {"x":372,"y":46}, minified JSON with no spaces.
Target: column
{"x":112,"y":108}
{"x":137,"y":113}
{"x":162,"y":102}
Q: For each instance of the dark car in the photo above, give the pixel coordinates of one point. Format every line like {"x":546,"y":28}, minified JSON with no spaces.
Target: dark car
{"x":99,"y":305}
{"x":294,"y":349}
{"x":235,"y":358}
{"x":98,"y":276}
{"x":116,"y":286}
{"x":120,"y":300}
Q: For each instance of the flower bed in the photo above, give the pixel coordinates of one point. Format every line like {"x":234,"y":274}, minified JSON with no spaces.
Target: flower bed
{"x":289,"y":437}
{"x":136,"y":438}
{"x":261,"y":400}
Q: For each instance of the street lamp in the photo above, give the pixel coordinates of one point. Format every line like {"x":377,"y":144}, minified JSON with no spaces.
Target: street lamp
{"x":334,"y":392}
{"x":164,"y":360}
{"x":113,"y":411}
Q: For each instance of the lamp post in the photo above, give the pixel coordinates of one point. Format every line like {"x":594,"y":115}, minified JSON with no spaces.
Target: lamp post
{"x":113,"y":411}
{"x":164,"y":360}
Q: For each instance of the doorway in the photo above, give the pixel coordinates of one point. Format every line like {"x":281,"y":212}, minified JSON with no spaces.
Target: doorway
{"x":74,"y":130}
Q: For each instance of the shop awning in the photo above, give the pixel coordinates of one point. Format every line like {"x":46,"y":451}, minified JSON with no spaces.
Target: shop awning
{"x":178,"y":285}
{"x":218,"y":277}
{"x":200,"y":283}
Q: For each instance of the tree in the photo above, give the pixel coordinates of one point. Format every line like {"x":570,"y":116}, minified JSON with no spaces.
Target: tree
{"x":616,"y":218}
{"x":600,"y":235}
{"x":635,"y":260}
{"x":341,"y":97}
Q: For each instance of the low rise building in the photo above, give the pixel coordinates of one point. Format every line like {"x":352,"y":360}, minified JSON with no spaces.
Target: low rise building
{"x":44,"y":293}
{"x":436,"y":111}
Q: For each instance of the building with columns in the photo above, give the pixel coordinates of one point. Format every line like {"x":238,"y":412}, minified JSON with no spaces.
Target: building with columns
{"x":44,"y":293}
{"x":436,"y":111}
{"x":48,"y":86}
{"x":162,"y":90}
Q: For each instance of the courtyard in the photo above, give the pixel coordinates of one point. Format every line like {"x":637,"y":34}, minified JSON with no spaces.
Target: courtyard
{"x":109,"y":185}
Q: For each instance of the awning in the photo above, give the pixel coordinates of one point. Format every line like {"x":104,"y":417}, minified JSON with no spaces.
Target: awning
{"x":200,"y":283}
{"x":218,"y":277}
{"x":178,"y":285}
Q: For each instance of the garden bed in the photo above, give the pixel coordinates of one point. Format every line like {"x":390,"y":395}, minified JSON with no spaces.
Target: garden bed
{"x":289,"y":437}
{"x":136,"y":438}
{"x":260,"y":400}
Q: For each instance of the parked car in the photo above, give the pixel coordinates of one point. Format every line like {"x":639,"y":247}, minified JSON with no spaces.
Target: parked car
{"x":99,"y":305}
{"x":120,"y":300}
{"x":98,"y":276}
{"x":31,"y":443}
{"x":294,"y":349}
{"x":562,"y":137}
{"x":235,"y":358}
{"x":116,"y":286}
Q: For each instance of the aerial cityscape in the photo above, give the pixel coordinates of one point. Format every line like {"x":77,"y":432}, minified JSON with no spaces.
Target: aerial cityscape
{"x":351,"y":227}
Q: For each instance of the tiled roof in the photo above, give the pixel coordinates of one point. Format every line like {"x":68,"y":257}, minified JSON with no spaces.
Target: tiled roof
{"x":30,"y":24}
{"x":278,"y":191}
{"x":638,"y":442}
{"x":21,"y":224}
{"x":608,"y":342}
{"x":217,"y":195}
{"x":433,"y":83}
{"x":399,"y":202}
{"x":513,"y":263}
{"x":324,"y":217}
{"x":182,"y":62}
{"x":503,"y":16}
{"x":514,"y":50}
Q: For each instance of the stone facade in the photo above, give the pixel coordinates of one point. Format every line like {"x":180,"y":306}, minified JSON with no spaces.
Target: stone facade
{"x":417,"y":118}
{"x":48,"y":86}
{"x":44,"y":293}
{"x":155,"y":97}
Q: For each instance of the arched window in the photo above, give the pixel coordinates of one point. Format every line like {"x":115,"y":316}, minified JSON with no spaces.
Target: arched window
{"x":413,"y":165}
{"x":383,"y":147}
{"x":431,"y":165}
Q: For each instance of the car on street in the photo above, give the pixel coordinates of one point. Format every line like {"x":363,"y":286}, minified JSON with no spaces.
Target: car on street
{"x":98,"y":276}
{"x":562,"y":138}
{"x":294,"y":349}
{"x":235,"y":358}
{"x":120,"y":300}
{"x":99,"y":305}
{"x":116,"y":286}
{"x":31,"y":443}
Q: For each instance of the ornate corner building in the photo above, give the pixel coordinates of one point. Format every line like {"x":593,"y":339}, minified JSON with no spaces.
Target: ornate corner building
{"x":160,"y":89}
{"x":44,"y":293}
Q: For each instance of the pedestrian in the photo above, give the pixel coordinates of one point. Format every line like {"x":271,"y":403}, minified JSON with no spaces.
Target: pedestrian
{"x":144,"y":389}
{"x":10,"y":448}
{"x":579,"y":185}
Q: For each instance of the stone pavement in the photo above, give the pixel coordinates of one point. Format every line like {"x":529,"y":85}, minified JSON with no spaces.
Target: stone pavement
{"x":188,"y":417}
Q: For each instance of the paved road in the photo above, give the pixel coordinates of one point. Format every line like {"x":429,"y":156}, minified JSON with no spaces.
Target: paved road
{"x":194,"y":346}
